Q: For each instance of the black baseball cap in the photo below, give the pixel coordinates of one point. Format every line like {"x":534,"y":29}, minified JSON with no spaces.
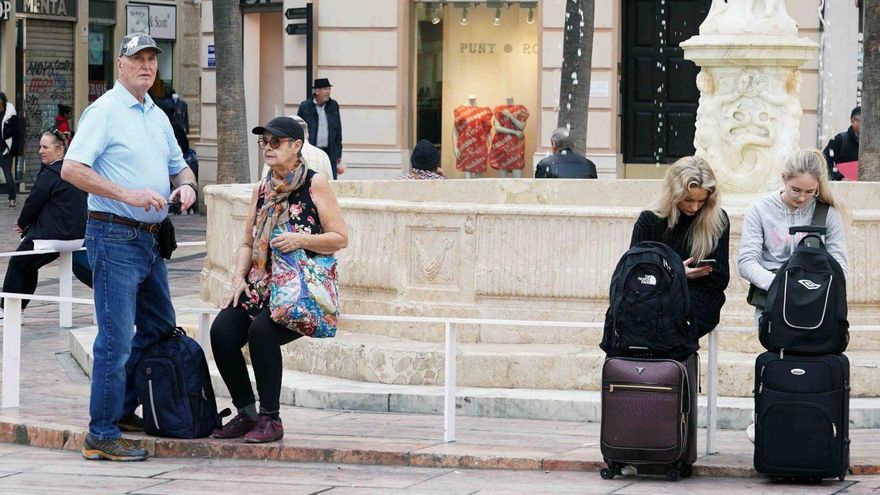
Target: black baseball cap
{"x":281,"y":127}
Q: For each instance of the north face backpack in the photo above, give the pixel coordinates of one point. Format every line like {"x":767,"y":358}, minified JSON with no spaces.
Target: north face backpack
{"x":806,"y":308}
{"x":174,"y":386}
{"x":650,"y":307}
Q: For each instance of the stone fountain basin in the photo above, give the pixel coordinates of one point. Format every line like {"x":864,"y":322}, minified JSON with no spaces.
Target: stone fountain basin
{"x":519,"y":249}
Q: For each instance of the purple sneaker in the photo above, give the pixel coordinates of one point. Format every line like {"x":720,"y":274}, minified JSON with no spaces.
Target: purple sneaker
{"x":236,"y":427}
{"x":267,"y":430}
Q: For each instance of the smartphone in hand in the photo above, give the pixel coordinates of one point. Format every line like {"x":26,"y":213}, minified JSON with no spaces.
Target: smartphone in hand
{"x":704,"y":262}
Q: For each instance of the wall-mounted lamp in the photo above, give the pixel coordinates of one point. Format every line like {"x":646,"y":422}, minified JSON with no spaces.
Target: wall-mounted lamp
{"x":531,"y":18}
{"x":433,"y":13}
{"x":464,"y":20}
{"x":497,"y":20}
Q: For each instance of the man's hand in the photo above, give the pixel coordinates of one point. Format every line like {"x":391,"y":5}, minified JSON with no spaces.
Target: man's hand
{"x":18,"y":228}
{"x":145,"y":198}
{"x":340,"y":167}
{"x":185,"y":194}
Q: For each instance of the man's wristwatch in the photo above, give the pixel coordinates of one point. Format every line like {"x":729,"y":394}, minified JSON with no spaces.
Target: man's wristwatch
{"x":194,"y":187}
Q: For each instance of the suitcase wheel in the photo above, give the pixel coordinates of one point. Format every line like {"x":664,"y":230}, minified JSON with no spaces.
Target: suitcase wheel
{"x":842,"y":476}
{"x":673,"y":475}
{"x":607,"y":474}
{"x":686,"y":471}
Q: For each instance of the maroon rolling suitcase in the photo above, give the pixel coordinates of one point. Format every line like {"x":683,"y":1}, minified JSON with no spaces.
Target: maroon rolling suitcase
{"x":649,"y":415}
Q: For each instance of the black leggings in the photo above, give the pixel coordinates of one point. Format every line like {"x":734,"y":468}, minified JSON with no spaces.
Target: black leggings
{"x":22,"y":272}
{"x":232,"y":329}
{"x":6,"y":165}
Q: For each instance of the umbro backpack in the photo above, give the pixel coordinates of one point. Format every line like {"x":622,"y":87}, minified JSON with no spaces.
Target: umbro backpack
{"x":806,"y":308}
{"x":649,"y":309}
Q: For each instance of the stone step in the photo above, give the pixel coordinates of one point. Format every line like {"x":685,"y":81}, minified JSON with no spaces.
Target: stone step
{"x":325,"y":392}
{"x":736,"y":341}
{"x":381,"y":359}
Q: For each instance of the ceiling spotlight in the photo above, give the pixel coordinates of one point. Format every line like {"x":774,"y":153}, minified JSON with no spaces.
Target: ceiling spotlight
{"x":464,"y":20}
{"x":497,"y":20}
{"x":434,"y":13}
{"x":531,"y":18}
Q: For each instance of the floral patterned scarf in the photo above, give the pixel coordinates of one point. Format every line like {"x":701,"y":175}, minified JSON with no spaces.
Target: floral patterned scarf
{"x":275,"y":212}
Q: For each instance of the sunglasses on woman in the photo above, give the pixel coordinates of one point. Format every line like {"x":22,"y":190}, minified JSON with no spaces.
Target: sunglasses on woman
{"x":273,"y":142}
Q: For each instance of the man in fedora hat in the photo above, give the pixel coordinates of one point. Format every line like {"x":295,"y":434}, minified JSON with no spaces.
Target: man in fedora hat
{"x":126,"y":157}
{"x":321,"y":113}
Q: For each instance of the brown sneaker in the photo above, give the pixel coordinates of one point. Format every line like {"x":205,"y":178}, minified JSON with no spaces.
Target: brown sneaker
{"x":236,"y":427}
{"x":120,"y":449}
{"x":267,"y":430}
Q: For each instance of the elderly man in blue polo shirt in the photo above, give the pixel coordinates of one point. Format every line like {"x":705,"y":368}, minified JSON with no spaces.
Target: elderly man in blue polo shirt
{"x":123,"y":156}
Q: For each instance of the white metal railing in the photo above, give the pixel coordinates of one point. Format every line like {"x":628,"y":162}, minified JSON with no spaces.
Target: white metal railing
{"x":65,"y":276}
{"x":12,"y":351}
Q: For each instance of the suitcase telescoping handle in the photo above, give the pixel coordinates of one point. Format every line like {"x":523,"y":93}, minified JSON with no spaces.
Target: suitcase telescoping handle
{"x":808,"y":229}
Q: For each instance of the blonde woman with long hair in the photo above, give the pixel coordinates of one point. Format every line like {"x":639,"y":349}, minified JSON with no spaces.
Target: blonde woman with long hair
{"x":687,"y":218}
{"x":766,"y":243}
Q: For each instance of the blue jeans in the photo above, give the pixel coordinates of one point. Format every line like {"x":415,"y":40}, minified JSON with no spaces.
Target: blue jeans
{"x":131,"y":288}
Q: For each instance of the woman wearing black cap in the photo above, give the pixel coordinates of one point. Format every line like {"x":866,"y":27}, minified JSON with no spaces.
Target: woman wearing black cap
{"x":300,"y":201}
{"x":425,"y":160}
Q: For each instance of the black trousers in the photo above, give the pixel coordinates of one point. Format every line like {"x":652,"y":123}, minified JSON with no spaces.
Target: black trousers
{"x":6,"y":165}
{"x":232,"y":329}
{"x":706,"y":304}
{"x":22,"y":272}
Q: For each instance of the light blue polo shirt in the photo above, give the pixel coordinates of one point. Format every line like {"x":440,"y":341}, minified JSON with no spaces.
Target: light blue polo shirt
{"x":130,"y":144}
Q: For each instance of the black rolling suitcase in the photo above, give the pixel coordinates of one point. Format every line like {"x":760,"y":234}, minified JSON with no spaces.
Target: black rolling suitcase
{"x":649,"y":415}
{"x":802,"y":411}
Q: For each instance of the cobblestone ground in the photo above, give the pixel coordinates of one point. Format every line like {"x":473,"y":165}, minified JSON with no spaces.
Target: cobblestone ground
{"x":54,"y":398}
{"x":29,"y":470}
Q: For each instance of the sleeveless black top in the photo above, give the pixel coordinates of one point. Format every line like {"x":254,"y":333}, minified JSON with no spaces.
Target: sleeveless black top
{"x":304,"y":216}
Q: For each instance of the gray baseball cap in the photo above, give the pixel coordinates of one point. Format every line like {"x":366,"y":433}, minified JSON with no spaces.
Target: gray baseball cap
{"x":136,"y":42}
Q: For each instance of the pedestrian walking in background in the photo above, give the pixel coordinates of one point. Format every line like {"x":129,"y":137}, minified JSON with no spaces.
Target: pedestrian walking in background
{"x":844,"y":148}
{"x":54,"y":209}
{"x":124,"y":156}
{"x":10,"y":144}
{"x":321,"y":113}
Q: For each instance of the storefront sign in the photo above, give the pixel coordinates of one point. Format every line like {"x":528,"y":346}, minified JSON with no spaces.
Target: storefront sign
{"x":163,"y":22}
{"x":55,"y":8}
{"x":159,"y":21}
{"x":5,"y":7}
{"x":138,"y":19}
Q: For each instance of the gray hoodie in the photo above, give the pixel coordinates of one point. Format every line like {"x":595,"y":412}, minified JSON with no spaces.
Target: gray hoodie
{"x":766,"y":243}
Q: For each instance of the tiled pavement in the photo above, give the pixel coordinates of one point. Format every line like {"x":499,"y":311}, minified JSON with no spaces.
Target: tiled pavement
{"x":359,"y":452}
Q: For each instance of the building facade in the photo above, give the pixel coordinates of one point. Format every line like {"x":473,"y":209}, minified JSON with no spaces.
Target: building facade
{"x":58,"y":56}
{"x":400,"y":67}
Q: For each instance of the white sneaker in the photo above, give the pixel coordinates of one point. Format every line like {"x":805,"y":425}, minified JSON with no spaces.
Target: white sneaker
{"x":750,"y":432}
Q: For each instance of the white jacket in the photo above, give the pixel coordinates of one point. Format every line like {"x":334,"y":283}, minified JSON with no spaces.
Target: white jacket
{"x":315,"y":158}
{"x":10,"y":112}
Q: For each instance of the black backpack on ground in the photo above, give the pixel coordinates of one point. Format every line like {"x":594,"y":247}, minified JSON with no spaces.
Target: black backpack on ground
{"x":650,"y":308}
{"x":174,"y":386}
{"x":806,"y":309}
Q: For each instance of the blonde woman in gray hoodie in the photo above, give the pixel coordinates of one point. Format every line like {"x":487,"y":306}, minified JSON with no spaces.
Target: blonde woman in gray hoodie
{"x":766,"y":244}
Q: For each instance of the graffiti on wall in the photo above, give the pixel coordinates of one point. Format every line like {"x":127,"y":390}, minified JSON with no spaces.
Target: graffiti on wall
{"x":48,"y":84}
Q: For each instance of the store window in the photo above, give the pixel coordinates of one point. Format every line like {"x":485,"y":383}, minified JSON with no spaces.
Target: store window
{"x":482,"y":55}
{"x":102,"y":19}
{"x":101,"y":56}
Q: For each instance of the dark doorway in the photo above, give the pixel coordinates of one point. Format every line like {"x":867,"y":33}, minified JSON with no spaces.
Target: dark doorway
{"x":660,"y":87}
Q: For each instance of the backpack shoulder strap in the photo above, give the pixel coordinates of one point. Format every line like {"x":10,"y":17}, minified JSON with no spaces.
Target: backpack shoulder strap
{"x":820,"y":213}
